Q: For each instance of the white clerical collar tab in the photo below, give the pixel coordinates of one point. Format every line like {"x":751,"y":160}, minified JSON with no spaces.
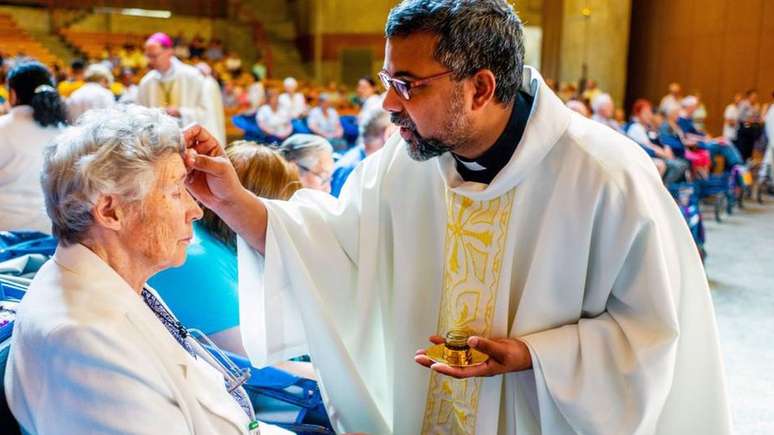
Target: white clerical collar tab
{"x":472,"y":166}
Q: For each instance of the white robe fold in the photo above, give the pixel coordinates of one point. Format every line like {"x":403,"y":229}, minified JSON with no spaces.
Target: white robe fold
{"x":600,"y":277}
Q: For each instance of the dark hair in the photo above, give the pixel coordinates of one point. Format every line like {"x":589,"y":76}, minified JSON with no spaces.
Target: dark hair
{"x":472,"y":35}
{"x":32,"y":84}
{"x":368,"y":80}
{"x":77,"y":65}
{"x":750,"y":92}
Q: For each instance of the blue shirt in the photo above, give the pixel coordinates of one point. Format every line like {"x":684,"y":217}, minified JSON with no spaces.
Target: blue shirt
{"x":202,"y":293}
{"x":669,"y":138}
{"x":344,"y":166}
{"x":688,"y":126}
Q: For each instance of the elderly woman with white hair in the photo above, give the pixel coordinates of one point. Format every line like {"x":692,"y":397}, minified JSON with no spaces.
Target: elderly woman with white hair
{"x":604,"y":111}
{"x":313,"y":155}
{"x":94,"y":94}
{"x":292,"y":101}
{"x":95,"y":350}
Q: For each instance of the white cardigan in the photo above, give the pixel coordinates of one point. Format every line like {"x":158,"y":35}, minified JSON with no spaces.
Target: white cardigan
{"x":88,"y":356}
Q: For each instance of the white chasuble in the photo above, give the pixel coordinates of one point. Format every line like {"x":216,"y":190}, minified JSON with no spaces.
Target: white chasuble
{"x":182,"y":87}
{"x":476,"y":233}
{"x":575,"y":248}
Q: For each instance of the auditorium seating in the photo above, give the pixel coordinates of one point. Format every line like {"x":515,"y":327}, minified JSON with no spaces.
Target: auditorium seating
{"x":93,"y":44}
{"x":14,"y":41}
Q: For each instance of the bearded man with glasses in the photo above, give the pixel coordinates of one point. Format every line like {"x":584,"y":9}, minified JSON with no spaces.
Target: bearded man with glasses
{"x":495,"y":214}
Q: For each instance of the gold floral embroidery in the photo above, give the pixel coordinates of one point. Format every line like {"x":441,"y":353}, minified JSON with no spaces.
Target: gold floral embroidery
{"x":475,"y":244}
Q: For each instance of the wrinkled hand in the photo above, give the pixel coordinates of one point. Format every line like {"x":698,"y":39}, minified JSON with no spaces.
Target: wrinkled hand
{"x":212,"y":178}
{"x":505,"y":355}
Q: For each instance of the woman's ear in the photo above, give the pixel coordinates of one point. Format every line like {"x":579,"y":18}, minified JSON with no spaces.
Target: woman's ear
{"x":12,"y":97}
{"x":109,"y":213}
{"x":484,"y":85}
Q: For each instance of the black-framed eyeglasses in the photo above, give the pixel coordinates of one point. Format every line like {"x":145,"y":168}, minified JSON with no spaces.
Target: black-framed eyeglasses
{"x":403,"y":87}
{"x":324,"y":179}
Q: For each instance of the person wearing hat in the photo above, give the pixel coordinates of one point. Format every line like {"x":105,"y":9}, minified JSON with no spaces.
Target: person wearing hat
{"x":170,"y":84}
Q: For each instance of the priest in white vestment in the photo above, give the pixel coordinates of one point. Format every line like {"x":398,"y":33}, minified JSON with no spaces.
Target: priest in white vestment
{"x":498,"y":210}
{"x":172,"y":85}
{"x":215,"y":119}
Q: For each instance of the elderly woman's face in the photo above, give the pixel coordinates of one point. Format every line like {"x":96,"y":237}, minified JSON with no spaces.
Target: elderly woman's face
{"x":161,"y":231}
{"x":318,"y":177}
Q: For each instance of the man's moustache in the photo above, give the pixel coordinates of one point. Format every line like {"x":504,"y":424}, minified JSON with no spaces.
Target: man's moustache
{"x":402,"y":122}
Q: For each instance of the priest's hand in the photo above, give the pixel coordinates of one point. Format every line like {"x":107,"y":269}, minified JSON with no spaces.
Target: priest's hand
{"x":213,"y":181}
{"x":212,"y":178}
{"x":505,"y":355}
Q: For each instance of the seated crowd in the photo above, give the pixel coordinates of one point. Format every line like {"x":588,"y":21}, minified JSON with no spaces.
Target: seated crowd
{"x":674,"y":135}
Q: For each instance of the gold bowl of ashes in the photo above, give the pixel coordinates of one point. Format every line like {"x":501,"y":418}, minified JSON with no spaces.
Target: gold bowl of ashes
{"x":456,"y":352}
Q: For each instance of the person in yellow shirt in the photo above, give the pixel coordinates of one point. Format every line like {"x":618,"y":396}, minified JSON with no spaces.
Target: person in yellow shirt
{"x":75,"y":80}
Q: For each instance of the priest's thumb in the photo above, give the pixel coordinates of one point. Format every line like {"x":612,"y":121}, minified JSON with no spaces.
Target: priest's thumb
{"x":496,"y":350}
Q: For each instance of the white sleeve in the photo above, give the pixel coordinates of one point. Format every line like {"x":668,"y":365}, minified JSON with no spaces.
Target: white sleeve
{"x":611,"y":372}
{"x":309,"y":271}
{"x":197,"y":111}
{"x":97,"y":384}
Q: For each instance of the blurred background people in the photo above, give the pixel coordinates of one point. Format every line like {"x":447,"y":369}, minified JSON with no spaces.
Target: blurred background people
{"x":273,"y":119}
{"x":36,"y":118}
{"x":94,"y":94}
{"x":313,"y":156}
{"x":170,"y":84}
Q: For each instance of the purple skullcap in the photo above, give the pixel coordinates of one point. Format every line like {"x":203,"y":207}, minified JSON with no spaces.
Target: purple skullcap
{"x":161,"y":38}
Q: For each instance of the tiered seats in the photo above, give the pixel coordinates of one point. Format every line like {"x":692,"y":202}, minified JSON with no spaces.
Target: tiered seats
{"x":14,"y":40}
{"x":93,"y":44}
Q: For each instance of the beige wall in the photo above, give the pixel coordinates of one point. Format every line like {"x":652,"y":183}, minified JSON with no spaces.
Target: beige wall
{"x":118,"y":23}
{"x":30,"y":19}
{"x":602,"y":40}
{"x":714,"y":47}
{"x":344,"y":16}
{"x":360,"y":24}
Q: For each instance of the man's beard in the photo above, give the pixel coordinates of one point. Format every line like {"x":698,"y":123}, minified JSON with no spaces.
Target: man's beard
{"x":456,"y":131}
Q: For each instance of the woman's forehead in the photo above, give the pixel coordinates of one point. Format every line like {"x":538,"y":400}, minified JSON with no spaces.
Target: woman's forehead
{"x":170,"y":169}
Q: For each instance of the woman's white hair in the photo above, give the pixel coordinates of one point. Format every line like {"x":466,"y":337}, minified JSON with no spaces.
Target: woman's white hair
{"x":290,"y":82}
{"x":96,"y":72}
{"x":305,"y":149}
{"x":600,"y":101}
{"x":109,"y":151}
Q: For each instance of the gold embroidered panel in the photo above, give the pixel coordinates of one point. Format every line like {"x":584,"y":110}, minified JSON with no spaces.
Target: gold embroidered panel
{"x":476,"y":233}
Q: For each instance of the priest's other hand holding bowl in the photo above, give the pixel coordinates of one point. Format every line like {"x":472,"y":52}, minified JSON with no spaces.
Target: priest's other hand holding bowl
{"x":505,"y":355}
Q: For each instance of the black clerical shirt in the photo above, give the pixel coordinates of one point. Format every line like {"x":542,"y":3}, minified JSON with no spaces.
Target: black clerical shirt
{"x":488,"y":165}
